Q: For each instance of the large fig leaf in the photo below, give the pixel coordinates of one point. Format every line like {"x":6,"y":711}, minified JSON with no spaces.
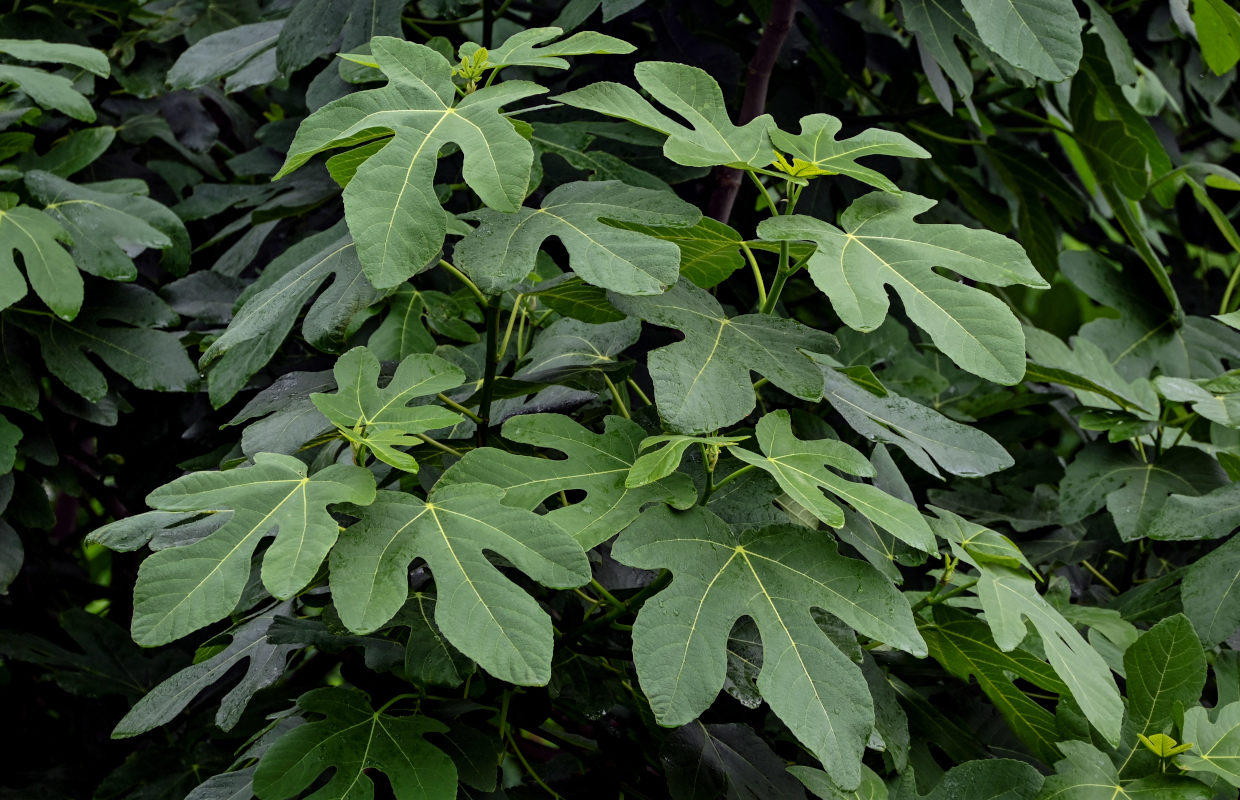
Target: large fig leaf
{"x":1009,"y":598}
{"x":390,"y":204}
{"x":816,"y":151}
{"x":1216,"y":743}
{"x":500,"y":253}
{"x":1088,"y":774}
{"x":1165,"y":669}
{"x":270,"y":306}
{"x":381,"y":419}
{"x":881,"y":245}
{"x":775,"y":576}
{"x":1041,"y":36}
{"x":109,"y":222}
{"x":596,"y":463}
{"x":926,"y":436}
{"x":350,"y":739}
{"x":710,"y":139}
{"x":527,"y":48}
{"x":49,"y":267}
{"x":136,"y":349}
{"x":702,"y":384}
{"x":1135,"y":490}
{"x":801,"y":469}
{"x":181,"y":589}
{"x":249,"y":643}
{"x":480,"y":611}
{"x":964,"y":646}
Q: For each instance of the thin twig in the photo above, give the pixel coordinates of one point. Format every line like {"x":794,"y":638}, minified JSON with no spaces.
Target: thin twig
{"x":774,"y":33}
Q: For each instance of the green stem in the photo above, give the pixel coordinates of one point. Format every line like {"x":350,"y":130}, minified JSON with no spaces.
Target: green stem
{"x":662,"y":579}
{"x":632,"y":384}
{"x":473,"y":287}
{"x":1230,"y":290}
{"x":607,"y":596}
{"x":781,"y":277}
{"x":439,"y":445}
{"x":517,"y":306}
{"x":488,"y":367}
{"x":766,"y":196}
{"x":394,"y":701}
{"x":934,"y":598}
{"x":942,"y":137}
{"x":615,"y":394}
{"x":516,"y":750}
{"x":757,"y":273}
{"x":455,"y":406}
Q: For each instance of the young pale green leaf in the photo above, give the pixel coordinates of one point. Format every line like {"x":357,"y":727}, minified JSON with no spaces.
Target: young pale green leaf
{"x":1041,"y":36}
{"x":271,"y":305}
{"x":383,"y":419}
{"x":1218,"y":33}
{"x":702,"y":384}
{"x":1165,"y":669}
{"x":660,"y":463}
{"x":480,"y":611}
{"x":501,"y":251}
{"x":1216,"y":743}
{"x":926,"y":436}
{"x":1009,"y":598}
{"x":51,"y":270}
{"x":102,"y":217}
{"x":1133,"y":489}
{"x":711,"y":139}
{"x":1211,"y":593}
{"x":568,"y":347}
{"x":1088,"y":774}
{"x":594,"y":463}
{"x":774,"y":576}
{"x":881,"y":245}
{"x":146,"y":357}
{"x":390,"y":204}
{"x":351,"y":739}
{"x":523,"y":49}
{"x":964,"y":646}
{"x":182,"y":589}
{"x":818,"y":152}
{"x":247,"y":642}
{"x":804,"y":468}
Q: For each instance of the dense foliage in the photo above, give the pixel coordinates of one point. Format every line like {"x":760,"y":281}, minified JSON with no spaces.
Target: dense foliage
{"x":507,"y":399}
